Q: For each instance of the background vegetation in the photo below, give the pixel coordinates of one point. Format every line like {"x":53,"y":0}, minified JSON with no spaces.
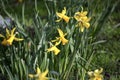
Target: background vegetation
{"x":96,"y":47}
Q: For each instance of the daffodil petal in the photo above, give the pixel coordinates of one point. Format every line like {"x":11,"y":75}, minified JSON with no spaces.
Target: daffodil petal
{"x":87,"y":25}
{"x":4,"y":42}
{"x":7,"y":33}
{"x":58,"y":20}
{"x":84,"y":18}
{"x":12,"y":31}
{"x":84,"y":13}
{"x":31,"y":75}
{"x":59,"y":15}
{"x":60,"y":32}
{"x":45,"y":73}
{"x":45,"y":78}
{"x":58,"y":42}
{"x":90,"y":73}
{"x":18,"y":39}
{"x":2,"y":36}
{"x":77,"y":16}
{"x":97,"y":71}
{"x":57,"y":39}
{"x":88,"y":19}
{"x":64,"y":11}
{"x":38,"y":71}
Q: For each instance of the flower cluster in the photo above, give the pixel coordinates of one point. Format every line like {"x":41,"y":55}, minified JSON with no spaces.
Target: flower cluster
{"x":58,"y":40}
{"x":81,"y":18}
{"x":82,"y":22}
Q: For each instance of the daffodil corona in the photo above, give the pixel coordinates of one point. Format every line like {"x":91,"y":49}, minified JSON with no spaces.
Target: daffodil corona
{"x":96,"y":75}
{"x":39,"y":75}
{"x":54,"y":49}
{"x":62,"y":16}
{"x":82,"y":20}
{"x":10,"y":37}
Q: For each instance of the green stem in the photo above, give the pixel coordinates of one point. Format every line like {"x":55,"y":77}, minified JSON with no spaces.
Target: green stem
{"x":72,"y":58}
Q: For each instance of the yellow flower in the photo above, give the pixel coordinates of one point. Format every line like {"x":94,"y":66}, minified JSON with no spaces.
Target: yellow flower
{"x":10,"y":37}
{"x":57,"y":41}
{"x":39,"y":75}
{"x":62,"y":16}
{"x":54,"y":49}
{"x":82,"y":19}
{"x":61,"y":38}
{"x":96,"y":75}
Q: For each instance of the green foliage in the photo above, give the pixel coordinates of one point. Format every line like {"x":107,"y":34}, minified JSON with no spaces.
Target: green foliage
{"x":83,"y":52}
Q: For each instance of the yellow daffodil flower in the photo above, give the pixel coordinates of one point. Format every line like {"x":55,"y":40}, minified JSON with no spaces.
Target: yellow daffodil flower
{"x":39,"y":75}
{"x":61,"y":38}
{"x":62,"y":16}
{"x":96,"y":75}
{"x":10,"y":37}
{"x":54,"y":49}
{"x":57,"y":41}
{"x":82,"y":19}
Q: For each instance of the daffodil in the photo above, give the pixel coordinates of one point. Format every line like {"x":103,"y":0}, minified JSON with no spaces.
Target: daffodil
{"x":96,"y":75}
{"x":58,"y":40}
{"x":39,"y":75}
{"x":54,"y":49}
{"x":10,"y":37}
{"x":61,"y":38}
{"x":82,"y":20}
{"x":62,"y":16}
